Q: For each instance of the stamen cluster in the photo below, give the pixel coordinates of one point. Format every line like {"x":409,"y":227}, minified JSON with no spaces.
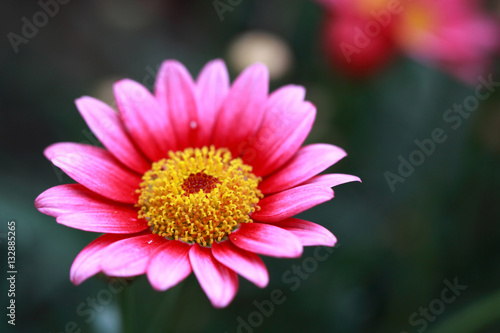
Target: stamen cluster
{"x":198,"y":195}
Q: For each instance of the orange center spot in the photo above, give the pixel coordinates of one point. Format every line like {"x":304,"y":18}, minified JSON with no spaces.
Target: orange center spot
{"x":417,"y":26}
{"x":368,"y":6}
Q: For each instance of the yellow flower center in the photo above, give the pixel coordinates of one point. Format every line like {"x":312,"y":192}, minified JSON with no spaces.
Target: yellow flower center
{"x":198,"y":195}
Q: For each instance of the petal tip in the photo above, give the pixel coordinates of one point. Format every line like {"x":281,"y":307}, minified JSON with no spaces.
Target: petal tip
{"x":82,"y":99}
{"x":217,"y":62}
{"x":49,"y":151}
{"x":263,"y":282}
{"x":38,"y":200}
{"x":259,"y":69}
{"x":170,"y":66}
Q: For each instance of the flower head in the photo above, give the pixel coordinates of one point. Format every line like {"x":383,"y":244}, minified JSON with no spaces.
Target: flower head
{"x":199,"y":177}
{"x":455,"y":35}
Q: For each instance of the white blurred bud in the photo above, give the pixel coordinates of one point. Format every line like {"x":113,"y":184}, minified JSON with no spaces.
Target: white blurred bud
{"x":263,"y":47}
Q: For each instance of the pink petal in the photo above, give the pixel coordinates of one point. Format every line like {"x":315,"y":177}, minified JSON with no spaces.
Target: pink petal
{"x":286,"y":125}
{"x":143,"y":117}
{"x":131,"y":256}
{"x":106,"y":124}
{"x":288,"y":203}
{"x":118,"y":221}
{"x":212,"y":86}
{"x":308,"y":162}
{"x":243,"y":109}
{"x":78,"y":207}
{"x":96,"y":169}
{"x":277,"y":110}
{"x":217,"y":281}
{"x":169,"y":265}
{"x":175,"y":91}
{"x":332,"y":180}
{"x":87,"y":262}
{"x":309,"y":233}
{"x":245,"y":263}
{"x":70,"y":198}
{"x":267,"y":240}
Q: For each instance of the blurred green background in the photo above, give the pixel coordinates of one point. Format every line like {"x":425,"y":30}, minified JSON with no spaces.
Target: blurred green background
{"x":396,"y":248}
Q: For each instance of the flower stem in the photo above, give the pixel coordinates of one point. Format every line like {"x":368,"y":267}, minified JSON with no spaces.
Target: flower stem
{"x":474,"y":317}
{"x":175,"y":307}
{"x":181,"y":303}
{"x":128,"y":308}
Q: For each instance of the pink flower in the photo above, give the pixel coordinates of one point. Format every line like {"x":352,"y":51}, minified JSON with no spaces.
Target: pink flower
{"x":201,"y":176}
{"x":456,"y":35}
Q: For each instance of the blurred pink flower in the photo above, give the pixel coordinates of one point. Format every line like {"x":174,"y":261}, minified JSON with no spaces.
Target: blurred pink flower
{"x":202,"y":176}
{"x":360,"y":36}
